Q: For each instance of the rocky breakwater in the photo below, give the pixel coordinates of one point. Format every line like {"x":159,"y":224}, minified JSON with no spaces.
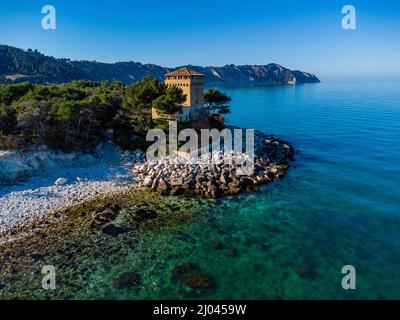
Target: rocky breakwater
{"x":217,"y":174}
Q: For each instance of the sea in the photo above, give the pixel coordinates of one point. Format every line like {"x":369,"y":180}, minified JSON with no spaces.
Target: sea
{"x":337,"y":208}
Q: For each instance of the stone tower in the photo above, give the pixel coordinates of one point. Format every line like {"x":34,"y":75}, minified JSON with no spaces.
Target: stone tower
{"x":192,"y":84}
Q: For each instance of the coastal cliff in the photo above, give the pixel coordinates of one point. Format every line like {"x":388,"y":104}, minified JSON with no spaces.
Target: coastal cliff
{"x":17,"y":65}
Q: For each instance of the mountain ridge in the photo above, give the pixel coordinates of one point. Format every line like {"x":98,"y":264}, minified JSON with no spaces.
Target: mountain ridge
{"x":18,"y":65}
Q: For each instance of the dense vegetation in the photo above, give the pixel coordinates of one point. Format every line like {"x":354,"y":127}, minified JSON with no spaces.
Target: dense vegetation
{"x":217,"y":101}
{"x":18,"y":65}
{"x":75,"y":115}
{"x":36,"y":67}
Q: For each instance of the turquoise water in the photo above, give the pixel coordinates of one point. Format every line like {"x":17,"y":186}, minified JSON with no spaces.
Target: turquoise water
{"x":339,"y":205}
{"x":342,"y":201}
{"x":348,"y":136}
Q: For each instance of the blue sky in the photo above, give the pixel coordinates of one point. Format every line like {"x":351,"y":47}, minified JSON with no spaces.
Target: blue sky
{"x":305,"y":35}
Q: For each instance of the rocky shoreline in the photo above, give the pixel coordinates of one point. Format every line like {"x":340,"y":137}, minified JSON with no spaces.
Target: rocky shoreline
{"x":65,"y":180}
{"x":101,"y":229}
{"x":77,"y":213}
{"x":24,"y":207}
{"x":216,"y":176}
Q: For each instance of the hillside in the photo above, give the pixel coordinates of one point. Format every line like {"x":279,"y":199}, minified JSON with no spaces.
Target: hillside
{"x":18,"y":65}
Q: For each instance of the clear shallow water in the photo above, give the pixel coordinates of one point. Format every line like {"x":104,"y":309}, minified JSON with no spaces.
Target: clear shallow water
{"x":340,"y":205}
{"x":343,"y":198}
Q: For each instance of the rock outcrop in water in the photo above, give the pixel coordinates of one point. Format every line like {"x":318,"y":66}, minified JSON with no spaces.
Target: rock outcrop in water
{"x":215,"y":177}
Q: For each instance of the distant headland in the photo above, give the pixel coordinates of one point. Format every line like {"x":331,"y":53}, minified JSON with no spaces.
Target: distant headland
{"x":17,"y":65}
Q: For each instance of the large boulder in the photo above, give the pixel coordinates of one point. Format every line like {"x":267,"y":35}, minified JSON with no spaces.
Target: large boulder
{"x":176,"y":182}
{"x":162,"y":185}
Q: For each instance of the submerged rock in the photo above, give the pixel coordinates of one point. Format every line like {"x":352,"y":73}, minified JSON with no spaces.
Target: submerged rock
{"x":196,"y":280}
{"x":126,"y":280}
{"x":105,"y":215}
{"x":185,"y":217}
{"x":189,"y":275}
{"x":144,"y":213}
{"x":112,"y":230}
{"x":306,"y":272}
{"x":180,"y":270}
{"x":36,"y":256}
{"x":216,"y":244}
{"x":231,"y":252}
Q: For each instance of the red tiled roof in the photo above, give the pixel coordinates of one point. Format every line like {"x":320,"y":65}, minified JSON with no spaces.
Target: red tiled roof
{"x":183,"y":72}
